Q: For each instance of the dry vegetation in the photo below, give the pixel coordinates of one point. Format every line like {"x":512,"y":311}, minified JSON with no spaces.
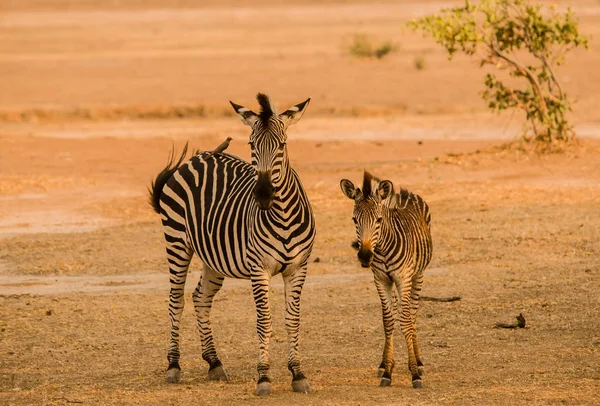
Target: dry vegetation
{"x":83,"y":278}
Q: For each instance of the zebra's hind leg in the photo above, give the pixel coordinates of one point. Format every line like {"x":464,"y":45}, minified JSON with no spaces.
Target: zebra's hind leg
{"x":260,"y":289}
{"x":404,"y":287}
{"x":179,"y":257}
{"x":384,"y":286}
{"x":209,"y":285}
{"x":293,"y":283}
{"x":417,"y":282}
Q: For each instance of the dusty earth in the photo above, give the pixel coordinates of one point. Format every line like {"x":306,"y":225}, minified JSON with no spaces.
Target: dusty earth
{"x":95,"y":94}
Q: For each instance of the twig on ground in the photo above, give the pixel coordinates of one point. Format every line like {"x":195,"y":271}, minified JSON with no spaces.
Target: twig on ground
{"x":440,"y":299}
{"x":68,"y":400}
{"x":520,"y":323}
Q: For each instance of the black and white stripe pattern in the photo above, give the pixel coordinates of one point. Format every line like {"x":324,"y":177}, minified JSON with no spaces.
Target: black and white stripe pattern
{"x":243,"y":220}
{"x":394,"y":240}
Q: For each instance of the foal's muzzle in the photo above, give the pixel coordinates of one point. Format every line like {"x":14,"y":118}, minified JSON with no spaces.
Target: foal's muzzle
{"x":365,"y":257}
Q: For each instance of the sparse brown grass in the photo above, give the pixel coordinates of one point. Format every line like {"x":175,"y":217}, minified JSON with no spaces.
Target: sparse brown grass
{"x":88,"y":117}
{"x":512,"y":233}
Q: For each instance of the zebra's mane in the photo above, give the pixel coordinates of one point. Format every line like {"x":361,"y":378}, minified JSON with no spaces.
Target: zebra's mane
{"x":406,"y":200}
{"x":370,"y":184}
{"x":267,"y":110}
{"x":403,"y":200}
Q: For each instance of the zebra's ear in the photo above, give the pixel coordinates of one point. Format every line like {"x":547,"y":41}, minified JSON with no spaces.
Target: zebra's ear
{"x":385,"y":189}
{"x":247,"y":116}
{"x":348,"y":189}
{"x":294,"y":114}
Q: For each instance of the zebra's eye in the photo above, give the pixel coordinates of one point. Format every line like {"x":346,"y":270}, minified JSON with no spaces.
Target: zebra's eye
{"x":378,"y":220}
{"x":354,"y":219}
{"x":282,"y":145}
{"x":251,"y":144}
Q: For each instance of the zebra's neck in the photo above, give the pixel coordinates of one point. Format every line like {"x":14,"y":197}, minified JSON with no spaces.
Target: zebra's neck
{"x":288,"y":195}
{"x":287,"y":183}
{"x":288,"y":226}
{"x":387,"y":237}
{"x":290,"y":206}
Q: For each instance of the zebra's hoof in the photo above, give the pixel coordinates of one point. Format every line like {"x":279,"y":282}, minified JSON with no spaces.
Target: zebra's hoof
{"x":380,"y":372}
{"x":301,"y":386}
{"x":421,"y":370}
{"x":217,"y":374}
{"x":264,"y":389}
{"x":417,"y":383}
{"x":385,"y":382}
{"x":173,"y":375}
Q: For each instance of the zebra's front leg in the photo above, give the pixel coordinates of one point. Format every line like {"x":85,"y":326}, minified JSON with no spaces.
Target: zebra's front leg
{"x":260,"y":290}
{"x":179,"y":261}
{"x":406,"y":324}
{"x":209,"y":285}
{"x":384,"y":286}
{"x":293,"y":283}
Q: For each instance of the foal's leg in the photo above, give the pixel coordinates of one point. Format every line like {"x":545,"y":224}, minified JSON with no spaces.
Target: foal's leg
{"x":404,"y":286}
{"x":384,"y":288}
{"x":209,"y":285}
{"x":179,"y":257}
{"x":414,"y":308}
{"x":293,"y":283}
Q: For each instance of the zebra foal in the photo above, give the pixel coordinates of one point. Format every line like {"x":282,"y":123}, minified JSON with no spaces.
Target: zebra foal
{"x":394,"y":240}
{"x":243,"y":220}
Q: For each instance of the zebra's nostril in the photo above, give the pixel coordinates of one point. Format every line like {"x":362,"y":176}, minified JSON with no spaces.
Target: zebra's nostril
{"x":264,"y":193}
{"x":365,"y":257}
{"x":264,"y":190}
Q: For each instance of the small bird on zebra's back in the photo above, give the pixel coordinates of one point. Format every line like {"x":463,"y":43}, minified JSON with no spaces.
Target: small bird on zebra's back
{"x":394,"y":241}
{"x":222,"y":147}
{"x":245,"y":220}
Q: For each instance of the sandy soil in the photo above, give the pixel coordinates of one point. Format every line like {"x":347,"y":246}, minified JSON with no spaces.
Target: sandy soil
{"x":91,"y":103}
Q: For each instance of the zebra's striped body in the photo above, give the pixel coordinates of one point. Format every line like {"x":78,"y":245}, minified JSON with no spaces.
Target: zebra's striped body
{"x":394,"y":240}
{"x":208,"y":203}
{"x":249,"y":221}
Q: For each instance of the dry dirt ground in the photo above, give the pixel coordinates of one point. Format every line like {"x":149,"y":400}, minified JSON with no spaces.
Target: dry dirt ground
{"x":94,"y":94}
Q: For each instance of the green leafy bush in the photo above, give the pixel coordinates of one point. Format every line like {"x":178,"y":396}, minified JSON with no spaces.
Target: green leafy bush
{"x":419,"y":62}
{"x":362,"y":47}
{"x":528,"y":40}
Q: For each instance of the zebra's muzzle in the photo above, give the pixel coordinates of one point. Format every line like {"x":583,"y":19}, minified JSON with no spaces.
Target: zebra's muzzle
{"x":365,"y":257}
{"x":264,"y":192}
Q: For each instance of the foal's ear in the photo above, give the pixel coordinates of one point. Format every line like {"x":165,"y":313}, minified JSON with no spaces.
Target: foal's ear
{"x":348,"y":189}
{"x":247,"y":116}
{"x":385,"y":189}
{"x":294,"y":114}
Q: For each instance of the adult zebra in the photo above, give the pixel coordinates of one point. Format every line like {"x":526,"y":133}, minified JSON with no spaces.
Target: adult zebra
{"x":395,"y":242}
{"x":249,"y":221}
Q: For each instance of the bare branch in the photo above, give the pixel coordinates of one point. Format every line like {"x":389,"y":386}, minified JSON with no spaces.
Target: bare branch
{"x":544,"y":60}
{"x":536,"y":86}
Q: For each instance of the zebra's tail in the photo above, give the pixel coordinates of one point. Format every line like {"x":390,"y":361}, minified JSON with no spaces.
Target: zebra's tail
{"x":155,"y":189}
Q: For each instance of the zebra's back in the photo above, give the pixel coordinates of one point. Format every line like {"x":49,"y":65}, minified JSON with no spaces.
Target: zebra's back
{"x":408,"y":201}
{"x":408,"y":241}
{"x":206,"y":201}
